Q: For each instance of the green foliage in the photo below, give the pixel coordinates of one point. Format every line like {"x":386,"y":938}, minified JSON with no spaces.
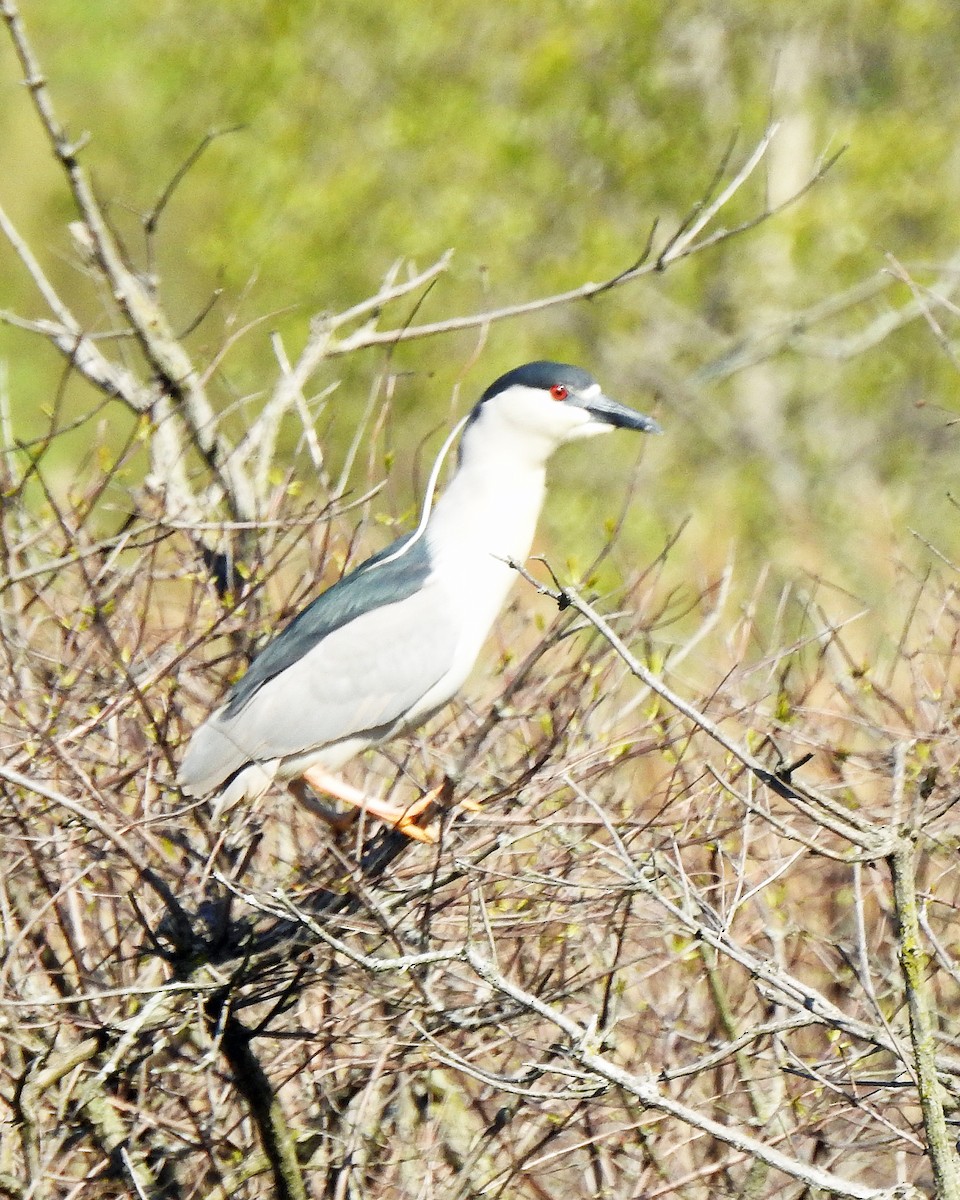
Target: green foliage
{"x":540,"y":143}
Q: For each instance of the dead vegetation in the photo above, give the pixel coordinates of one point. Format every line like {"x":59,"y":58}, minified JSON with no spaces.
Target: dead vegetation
{"x":689,"y":951}
{"x":698,"y":940}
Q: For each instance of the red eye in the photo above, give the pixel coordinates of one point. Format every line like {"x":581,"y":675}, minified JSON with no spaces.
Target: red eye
{"x":559,"y":391}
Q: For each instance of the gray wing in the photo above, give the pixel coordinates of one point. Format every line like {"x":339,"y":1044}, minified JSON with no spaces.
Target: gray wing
{"x":358,"y":680}
{"x":387,"y":578}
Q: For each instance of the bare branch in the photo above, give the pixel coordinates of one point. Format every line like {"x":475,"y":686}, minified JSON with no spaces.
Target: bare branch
{"x":872,"y":841}
{"x":943,"y":1155}
{"x":581,"y":1050}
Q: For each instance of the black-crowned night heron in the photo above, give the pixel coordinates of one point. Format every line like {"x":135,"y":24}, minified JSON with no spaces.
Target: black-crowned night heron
{"x":389,"y":644}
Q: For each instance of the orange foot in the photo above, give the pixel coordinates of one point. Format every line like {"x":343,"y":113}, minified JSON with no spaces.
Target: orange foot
{"x":404,"y":819}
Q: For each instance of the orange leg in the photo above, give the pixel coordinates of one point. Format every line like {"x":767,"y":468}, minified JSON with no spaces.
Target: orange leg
{"x":403,"y":819}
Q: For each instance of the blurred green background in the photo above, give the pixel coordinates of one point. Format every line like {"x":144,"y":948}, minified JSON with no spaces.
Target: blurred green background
{"x":540,"y":142}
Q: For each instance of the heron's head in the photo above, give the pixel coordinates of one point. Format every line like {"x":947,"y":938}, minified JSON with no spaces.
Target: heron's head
{"x":542,"y":405}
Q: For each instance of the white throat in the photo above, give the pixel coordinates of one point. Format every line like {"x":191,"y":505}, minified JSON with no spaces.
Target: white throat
{"x":491,"y":506}
{"x":486,"y":518}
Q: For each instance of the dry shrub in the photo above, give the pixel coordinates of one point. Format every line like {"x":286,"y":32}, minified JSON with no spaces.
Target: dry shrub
{"x":697,"y":939}
{"x":247,"y":1004}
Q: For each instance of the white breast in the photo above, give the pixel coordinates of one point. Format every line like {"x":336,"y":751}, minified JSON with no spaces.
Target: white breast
{"x":486,"y":518}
